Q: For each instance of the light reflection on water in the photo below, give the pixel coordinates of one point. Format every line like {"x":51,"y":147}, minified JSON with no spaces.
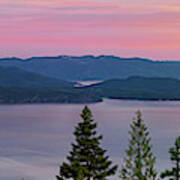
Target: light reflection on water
{"x":34,"y":139}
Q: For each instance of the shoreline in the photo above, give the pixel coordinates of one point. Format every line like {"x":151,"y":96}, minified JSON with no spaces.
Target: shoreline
{"x":89,"y":103}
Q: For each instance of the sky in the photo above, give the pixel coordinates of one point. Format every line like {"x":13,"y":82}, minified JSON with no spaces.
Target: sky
{"x":126,"y":28}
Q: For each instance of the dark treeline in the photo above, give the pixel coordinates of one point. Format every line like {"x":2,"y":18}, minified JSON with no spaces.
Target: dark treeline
{"x":28,"y":87}
{"x":88,"y":160}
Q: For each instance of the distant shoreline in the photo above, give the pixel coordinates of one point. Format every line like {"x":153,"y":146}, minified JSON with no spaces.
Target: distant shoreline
{"x":95,"y":102}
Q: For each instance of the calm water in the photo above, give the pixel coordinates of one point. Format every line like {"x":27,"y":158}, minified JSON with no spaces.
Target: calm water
{"x":34,"y":139}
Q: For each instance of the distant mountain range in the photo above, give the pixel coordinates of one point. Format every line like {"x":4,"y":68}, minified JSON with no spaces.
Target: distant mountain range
{"x":94,"y":68}
{"x":44,"y":79}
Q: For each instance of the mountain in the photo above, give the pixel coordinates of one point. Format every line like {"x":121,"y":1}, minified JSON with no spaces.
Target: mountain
{"x":27,"y":95}
{"x":20,"y":86}
{"x":139,"y":88}
{"x":15,"y":77}
{"x":94,"y":68}
{"x":21,"y":83}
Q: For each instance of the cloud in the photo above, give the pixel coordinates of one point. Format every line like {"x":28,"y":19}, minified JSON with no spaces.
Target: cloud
{"x":86,"y":25}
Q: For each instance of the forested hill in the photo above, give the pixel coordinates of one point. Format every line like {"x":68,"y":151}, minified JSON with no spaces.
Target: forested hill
{"x":15,"y":77}
{"x":19,"y":86}
{"x":95,"y":68}
{"x":139,"y":88}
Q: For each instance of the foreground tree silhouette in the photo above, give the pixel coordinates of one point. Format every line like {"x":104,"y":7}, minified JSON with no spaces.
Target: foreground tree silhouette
{"x":175,"y":157}
{"x":87,"y":160}
{"x":139,"y":163}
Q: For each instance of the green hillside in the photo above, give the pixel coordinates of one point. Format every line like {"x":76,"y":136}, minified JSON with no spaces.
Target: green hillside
{"x":15,"y":77}
{"x":138,"y":88}
{"x":19,"y":86}
{"x":21,"y":95}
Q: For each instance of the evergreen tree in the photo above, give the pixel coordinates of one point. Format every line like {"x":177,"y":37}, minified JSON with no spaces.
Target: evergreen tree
{"x":175,"y":157}
{"x":139,"y":163}
{"x":87,"y":160}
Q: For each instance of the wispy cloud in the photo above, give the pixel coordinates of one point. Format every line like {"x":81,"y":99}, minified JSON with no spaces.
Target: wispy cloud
{"x":85,"y":24}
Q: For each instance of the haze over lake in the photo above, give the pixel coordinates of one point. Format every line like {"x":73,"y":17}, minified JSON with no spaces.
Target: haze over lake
{"x":35,"y":139}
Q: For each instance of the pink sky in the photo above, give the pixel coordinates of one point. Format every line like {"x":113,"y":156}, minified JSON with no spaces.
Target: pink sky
{"x":124,"y":28}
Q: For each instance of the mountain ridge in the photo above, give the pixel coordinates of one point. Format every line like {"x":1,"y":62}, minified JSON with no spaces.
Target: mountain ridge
{"x":14,"y":77}
{"x":83,"y":56}
{"x":89,"y":67}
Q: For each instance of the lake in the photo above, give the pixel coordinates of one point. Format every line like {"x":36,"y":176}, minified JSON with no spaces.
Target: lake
{"x":35,"y":139}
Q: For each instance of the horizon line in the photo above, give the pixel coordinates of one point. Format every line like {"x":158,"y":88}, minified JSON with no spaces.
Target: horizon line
{"x":88,"y":55}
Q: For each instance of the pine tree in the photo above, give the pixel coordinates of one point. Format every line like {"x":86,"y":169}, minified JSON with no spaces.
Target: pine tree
{"x":87,"y":160}
{"x":139,"y":163}
{"x":175,"y":157}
